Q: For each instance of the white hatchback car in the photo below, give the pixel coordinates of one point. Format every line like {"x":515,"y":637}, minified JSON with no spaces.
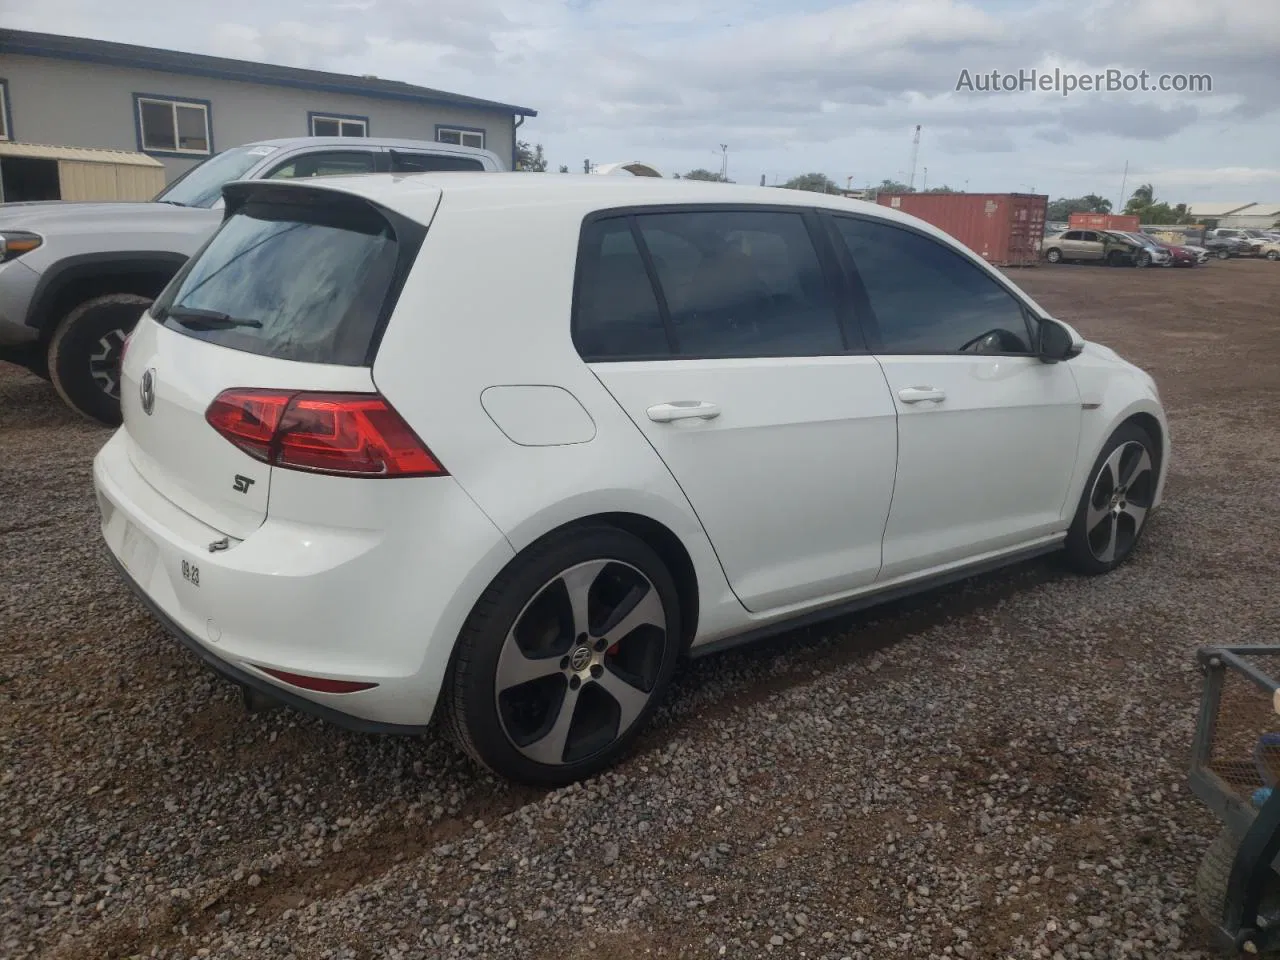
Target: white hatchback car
{"x":510,"y":445}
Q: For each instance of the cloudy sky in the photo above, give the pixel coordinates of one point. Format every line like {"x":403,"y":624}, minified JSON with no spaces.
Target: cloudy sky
{"x":794,"y":87}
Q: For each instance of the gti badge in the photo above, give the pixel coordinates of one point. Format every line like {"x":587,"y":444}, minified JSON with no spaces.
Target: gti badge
{"x":147,"y":391}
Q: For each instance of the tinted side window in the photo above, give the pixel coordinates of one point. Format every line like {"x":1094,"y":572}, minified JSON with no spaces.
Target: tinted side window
{"x":1072,"y":235}
{"x":616,"y":313}
{"x":927,"y":298}
{"x":742,"y":284}
{"x":336,"y":164}
{"x":430,"y":162}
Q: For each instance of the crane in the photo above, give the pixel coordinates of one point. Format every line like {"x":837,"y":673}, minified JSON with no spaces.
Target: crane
{"x":915,"y":154}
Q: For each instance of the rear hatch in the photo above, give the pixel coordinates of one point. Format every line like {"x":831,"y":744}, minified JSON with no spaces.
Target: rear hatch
{"x":258,"y":353}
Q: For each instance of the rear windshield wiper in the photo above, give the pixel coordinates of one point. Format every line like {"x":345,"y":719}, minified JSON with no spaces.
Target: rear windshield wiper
{"x":193,"y":318}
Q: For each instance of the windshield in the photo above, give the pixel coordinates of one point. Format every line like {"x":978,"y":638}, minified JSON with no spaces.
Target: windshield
{"x":201,"y":186}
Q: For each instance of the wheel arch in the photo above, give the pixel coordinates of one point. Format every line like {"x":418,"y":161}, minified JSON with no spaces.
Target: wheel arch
{"x":658,"y":537}
{"x":1143,"y":412}
{"x":76,"y":279}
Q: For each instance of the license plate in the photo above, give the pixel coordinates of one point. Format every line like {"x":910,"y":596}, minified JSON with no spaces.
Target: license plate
{"x":137,"y":552}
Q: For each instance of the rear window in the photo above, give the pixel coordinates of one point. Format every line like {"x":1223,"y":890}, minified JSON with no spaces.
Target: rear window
{"x":310,"y":280}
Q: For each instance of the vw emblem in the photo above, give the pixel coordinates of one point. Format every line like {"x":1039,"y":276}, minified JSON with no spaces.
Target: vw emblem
{"x":147,"y":391}
{"x":580,"y":658}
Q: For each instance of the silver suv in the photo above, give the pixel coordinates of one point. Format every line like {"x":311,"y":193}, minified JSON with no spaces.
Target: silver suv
{"x":75,"y":277}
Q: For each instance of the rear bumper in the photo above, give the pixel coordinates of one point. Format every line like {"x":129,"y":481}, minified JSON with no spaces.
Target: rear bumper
{"x":381,"y":604}
{"x":254,"y":682}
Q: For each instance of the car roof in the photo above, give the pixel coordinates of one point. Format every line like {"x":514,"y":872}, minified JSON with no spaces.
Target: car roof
{"x":432,"y":145}
{"x":415,"y":195}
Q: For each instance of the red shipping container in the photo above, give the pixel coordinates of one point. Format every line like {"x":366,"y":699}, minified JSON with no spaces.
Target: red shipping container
{"x":1005,"y":229}
{"x":1104,"y":221}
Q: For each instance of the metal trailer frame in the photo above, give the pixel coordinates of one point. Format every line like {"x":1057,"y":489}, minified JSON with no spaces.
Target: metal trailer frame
{"x":1258,"y":855}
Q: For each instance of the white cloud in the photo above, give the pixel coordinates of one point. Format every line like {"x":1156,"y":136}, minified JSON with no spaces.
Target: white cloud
{"x":817,"y":85}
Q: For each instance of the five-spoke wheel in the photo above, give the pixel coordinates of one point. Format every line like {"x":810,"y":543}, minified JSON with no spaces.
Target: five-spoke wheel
{"x":555,"y":687}
{"x":1113,"y":509}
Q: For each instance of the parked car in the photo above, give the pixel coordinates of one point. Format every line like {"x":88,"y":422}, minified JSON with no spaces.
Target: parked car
{"x":1224,"y":247}
{"x":74,"y":277}
{"x":1103,"y":246}
{"x":1201,"y":254}
{"x":1178,"y":256}
{"x":1247,"y":244}
{"x":345,"y":499}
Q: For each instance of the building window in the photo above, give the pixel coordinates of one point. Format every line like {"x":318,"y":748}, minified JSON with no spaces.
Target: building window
{"x":337,"y":125}
{"x":5,"y":133}
{"x":166,"y":125}
{"x":460,"y":136}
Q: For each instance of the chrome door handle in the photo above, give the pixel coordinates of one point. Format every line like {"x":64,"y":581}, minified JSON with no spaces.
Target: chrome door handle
{"x":683,"y":410}
{"x":917,"y":394}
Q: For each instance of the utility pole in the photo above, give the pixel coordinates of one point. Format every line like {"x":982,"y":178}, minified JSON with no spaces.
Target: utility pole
{"x":724,"y":162}
{"x":915,"y":155}
{"x":1123,"y":180}
{"x":924,"y":187}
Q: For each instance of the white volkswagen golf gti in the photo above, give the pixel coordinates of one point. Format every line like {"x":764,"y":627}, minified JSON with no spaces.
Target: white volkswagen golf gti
{"x":508,"y":446}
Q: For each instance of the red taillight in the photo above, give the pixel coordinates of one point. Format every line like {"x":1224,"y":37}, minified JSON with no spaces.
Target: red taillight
{"x":351,"y":434}
{"x":318,"y":684}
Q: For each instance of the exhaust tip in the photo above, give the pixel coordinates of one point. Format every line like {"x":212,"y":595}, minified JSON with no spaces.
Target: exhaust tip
{"x":255,"y":701}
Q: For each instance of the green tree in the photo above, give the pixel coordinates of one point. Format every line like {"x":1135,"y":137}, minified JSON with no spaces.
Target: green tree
{"x":1063,"y":207}
{"x":530,"y":159}
{"x":893,"y":186}
{"x":701,"y":174}
{"x":564,"y":168}
{"x":1144,"y":206}
{"x":1144,"y":196}
{"x":942,"y":189}
{"x":813,"y":182}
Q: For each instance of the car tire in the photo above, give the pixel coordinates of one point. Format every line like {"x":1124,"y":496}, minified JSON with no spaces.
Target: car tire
{"x":1273,"y":255}
{"x":1116,"y":502}
{"x":84,"y":354}
{"x":1143,"y":260}
{"x":1223,"y":254}
{"x":1053,"y":255}
{"x":535,"y":690}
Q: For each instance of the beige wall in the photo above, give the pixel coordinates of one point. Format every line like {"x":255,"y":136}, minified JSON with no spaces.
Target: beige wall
{"x":68,"y":103}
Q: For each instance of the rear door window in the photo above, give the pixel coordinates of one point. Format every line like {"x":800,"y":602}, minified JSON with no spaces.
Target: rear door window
{"x":336,"y":163}
{"x":402,"y":162}
{"x":742,"y":283}
{"x":307,"y":280}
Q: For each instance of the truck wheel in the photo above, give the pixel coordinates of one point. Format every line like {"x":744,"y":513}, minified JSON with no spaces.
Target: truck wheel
{"x":84,"y":354}
{"x":1215,"y":872}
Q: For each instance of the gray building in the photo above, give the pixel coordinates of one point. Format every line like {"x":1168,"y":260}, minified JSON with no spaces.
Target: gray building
{"x":182,"y":107}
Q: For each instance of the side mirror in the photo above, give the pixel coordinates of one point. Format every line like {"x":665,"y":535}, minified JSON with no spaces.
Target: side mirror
{"x":1056,"y":342}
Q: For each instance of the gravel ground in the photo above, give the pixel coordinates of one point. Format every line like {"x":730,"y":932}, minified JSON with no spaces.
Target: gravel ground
{"x":992,"y":770}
